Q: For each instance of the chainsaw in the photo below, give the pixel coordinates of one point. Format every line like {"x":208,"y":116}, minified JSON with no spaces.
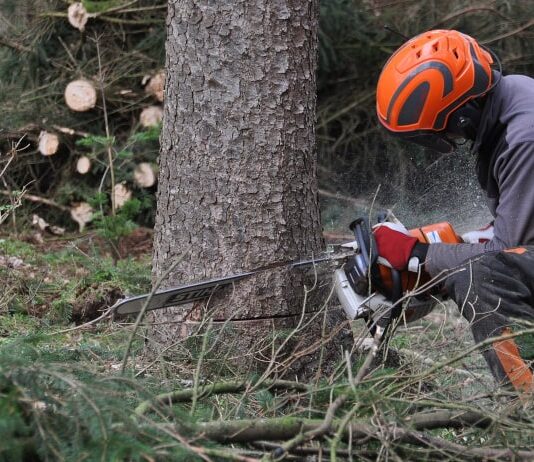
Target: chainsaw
{"x":365,"y":287}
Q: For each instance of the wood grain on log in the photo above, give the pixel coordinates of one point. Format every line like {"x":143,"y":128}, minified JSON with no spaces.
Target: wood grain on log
{"x":83,"y":165}
{"x":77,"y":16}
{"x":81,"y":213}
{"x":156,"y":86}
{"x":151,"y":116}
{"x":80,"y":95}
{"x":48,"y":143}
{"x":122,"y":194}
{"x":145,"y":175}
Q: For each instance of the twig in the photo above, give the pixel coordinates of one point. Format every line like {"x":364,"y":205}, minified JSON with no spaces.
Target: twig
{"x":430,"y":362}
{"x":144,"y":308}
{"x":356,"y":202}
{"x":196,"y":379}
{"x":465,"y":11}
{"x":327,"y":425}
{"x":38,"y":199}
{"x":16,"y":46}
{"x":106,"y":123}
{"x":104,"y":315}
{"x":509,"y":34}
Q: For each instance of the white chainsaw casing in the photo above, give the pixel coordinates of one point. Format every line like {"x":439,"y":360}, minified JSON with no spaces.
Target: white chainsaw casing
{"x":354,"y":305}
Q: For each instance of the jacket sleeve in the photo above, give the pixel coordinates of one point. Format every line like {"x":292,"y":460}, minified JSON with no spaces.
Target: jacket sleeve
{"x":514,"y":214}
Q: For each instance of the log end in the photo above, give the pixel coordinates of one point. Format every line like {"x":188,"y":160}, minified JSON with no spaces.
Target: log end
{"x":48,"y":143}
{"x":80,"y":95}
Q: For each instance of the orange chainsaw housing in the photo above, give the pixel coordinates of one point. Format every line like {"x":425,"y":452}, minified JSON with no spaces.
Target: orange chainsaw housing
{"x":429,"y":234}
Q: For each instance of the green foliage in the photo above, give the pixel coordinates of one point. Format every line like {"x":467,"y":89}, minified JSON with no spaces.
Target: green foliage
{"x":94,"y":140}
{"x":121,"y":224}
{"x":55,"y":412}
{"x":150,"y":134}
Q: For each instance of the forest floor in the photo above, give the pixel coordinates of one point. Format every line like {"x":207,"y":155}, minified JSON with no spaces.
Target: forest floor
{"x":53,"y":286}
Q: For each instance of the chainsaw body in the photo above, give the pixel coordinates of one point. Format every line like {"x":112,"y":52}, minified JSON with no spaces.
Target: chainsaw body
{"x":364,"y":285}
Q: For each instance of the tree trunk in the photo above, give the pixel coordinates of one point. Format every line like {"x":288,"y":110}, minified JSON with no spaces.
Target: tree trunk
{"x":238,"y":164}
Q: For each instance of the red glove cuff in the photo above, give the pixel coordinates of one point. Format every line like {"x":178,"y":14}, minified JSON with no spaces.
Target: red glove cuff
{"x":394,"y":246}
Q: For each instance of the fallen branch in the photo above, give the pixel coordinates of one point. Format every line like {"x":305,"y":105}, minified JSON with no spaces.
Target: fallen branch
{"x":279,"y":429}
{"x":38,"y":199}
{"x":180,"y":396}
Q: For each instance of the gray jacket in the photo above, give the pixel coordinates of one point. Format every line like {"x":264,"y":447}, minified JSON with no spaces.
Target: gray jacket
{"x":505,"y":147}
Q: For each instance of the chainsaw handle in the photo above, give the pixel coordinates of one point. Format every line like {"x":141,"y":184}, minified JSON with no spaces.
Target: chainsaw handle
{"x":365,"y":240}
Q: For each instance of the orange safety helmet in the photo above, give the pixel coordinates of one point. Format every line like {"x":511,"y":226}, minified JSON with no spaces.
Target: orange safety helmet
{"x":428,"y":79}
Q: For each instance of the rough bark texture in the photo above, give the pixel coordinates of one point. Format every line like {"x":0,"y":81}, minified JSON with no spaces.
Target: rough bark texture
{"x":237,"y":185}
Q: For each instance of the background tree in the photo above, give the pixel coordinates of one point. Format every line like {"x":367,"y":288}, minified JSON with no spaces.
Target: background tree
{"x":238,"y":168}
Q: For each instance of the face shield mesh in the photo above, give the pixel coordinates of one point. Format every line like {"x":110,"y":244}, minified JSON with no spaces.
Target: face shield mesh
{"x":439,"y":143}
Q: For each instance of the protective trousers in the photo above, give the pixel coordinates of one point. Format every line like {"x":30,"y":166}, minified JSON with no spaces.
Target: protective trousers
{"x":495,"y":292}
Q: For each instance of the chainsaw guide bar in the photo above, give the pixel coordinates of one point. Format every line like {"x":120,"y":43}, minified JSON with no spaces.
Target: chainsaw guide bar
{"x":188,"y":293}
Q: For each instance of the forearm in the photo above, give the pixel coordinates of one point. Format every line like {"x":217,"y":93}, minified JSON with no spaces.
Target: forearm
{"x":447,"y":256}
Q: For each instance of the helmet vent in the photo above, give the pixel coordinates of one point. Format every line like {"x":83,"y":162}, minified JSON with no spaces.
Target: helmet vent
{"x":418,"y":54}
{"x":455,"y":53}
{"x":435,"y":46}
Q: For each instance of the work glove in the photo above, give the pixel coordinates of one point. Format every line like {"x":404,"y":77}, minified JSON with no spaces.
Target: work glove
{"x":479,"y":236}
{"x":397,"y":248}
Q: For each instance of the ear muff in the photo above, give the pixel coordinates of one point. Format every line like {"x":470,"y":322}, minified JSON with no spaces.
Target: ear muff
{"x":464,"y":121}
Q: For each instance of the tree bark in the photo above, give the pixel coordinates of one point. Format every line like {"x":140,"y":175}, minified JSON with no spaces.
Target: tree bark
{"x":237,"y":184}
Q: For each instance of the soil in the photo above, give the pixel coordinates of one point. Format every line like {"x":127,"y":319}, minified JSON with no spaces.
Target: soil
{"x":35,"y":284}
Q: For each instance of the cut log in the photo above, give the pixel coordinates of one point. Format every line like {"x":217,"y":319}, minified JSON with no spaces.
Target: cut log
{"x":121,"y":194}
{"x":48,"y":143}
{"x":77,"y":16}
{"x":80,"y":95}
{"x":145,"y":175}
{"x":156,"y":85}
{"x":83,"y":165}
{"x":81,"y":213}
{"x":151,"y":116}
